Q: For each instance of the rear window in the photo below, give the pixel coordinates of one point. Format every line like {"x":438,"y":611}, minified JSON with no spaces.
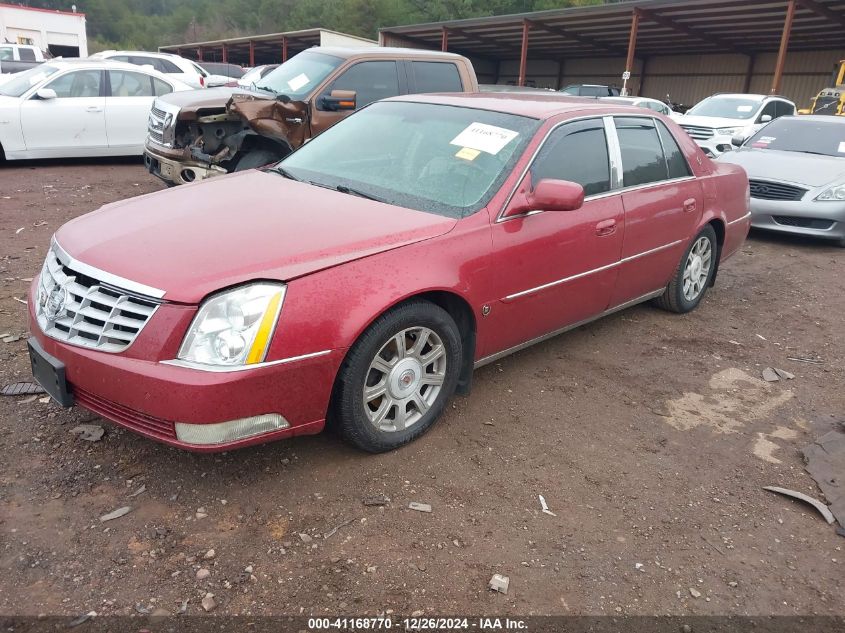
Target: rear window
{"x":436,"y":77}
{"x":642,"y":153}
{"x":675,"y":160}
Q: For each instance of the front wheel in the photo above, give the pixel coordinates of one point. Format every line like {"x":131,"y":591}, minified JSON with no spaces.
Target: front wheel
{"x":397,"y":378}
{"x":694,"y":274}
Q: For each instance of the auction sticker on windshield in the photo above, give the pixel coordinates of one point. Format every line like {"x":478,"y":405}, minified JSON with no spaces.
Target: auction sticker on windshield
{"x":744,"y":108}
{"x":841,"y":149}
{"x":297,"y":82}
{"x":484,"y":138}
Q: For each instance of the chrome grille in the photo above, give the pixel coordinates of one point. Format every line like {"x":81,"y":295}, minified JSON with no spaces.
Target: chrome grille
{"x":160,"y":126}
{"x":765,"y":190}
{"x":78,"y":309}
{"x":804,"y":223}
{"x":698,"y":133}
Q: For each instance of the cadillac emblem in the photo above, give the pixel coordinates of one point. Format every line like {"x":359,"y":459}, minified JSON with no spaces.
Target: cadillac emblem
{"x":55,"y":302}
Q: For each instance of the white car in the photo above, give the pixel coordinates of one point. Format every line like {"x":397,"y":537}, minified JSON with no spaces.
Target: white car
{"x":179,"y":68}
{"x":643,"y":102}
{"x":713,"y":122}
{"x":255,"y":75}
{"x":67,"y":108}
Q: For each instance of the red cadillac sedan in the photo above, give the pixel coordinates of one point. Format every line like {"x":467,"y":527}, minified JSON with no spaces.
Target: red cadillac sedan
{"x":362,"y":279}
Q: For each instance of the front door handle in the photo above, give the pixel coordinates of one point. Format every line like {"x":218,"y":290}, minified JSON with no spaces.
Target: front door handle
{"x":606,"y":227}
{"x":689,"y":205}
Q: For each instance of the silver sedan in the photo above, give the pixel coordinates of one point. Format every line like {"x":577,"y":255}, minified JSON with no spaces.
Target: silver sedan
{"x":796,"y":171}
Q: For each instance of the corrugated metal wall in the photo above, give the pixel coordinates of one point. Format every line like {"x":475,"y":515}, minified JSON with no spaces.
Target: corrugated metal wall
{"x":685,"y":78}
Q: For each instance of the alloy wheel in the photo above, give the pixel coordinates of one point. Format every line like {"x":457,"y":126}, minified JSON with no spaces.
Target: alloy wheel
{"x":404,"y":379}
{"x":697,"y":268}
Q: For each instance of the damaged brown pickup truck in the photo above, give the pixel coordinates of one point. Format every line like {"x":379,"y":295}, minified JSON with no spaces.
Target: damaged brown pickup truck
{"x":202,"y":133}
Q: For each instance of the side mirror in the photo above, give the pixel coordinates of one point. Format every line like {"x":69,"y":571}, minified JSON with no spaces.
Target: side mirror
{"x":339,"y":100}
{"x":46,"y":94}
{"x":737,"y":140}
{"x":765,"y":118}
{"x":556,"y":195}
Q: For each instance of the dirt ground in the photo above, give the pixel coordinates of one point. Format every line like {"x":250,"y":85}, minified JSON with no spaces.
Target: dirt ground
{"x":649,"y":434}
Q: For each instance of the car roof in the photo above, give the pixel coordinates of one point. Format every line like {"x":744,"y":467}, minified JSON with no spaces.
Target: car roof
{"x":538,"y":106}
{"x":153,"y":53}
{"x":814,"y":118}
{"x":382,"y":51}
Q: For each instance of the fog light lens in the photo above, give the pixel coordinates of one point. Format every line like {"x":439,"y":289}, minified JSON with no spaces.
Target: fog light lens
{"x":225,"y":432}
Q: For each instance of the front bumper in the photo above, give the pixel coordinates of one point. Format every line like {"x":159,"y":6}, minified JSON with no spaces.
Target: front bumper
{"x":715,"y":145}
{"x":151,"y":397}
{"x":803,"y":217}
{"x":176,"y":171}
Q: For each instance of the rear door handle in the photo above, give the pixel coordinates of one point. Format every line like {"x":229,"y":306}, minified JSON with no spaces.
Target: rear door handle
{"x":606,"y":227}
{"x":94,"y":109}
{"x":689,"y":205}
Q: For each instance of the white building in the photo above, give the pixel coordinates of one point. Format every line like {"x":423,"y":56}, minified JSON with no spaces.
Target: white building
{"x":62,"y":33}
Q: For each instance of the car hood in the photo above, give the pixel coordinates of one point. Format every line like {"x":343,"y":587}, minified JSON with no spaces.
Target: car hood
{"x":195,"y":239}
{"x":803,"y":169}
{"x":714,"y":122}
{"x":208,"y":98}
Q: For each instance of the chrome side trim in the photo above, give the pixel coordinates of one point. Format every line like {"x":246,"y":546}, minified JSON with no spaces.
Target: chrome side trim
{"x":590,"y":272}
{"x":517,"y":348}
{"x":120,"y":283}
{"x":745,"y":217}
{"x":220,"y":369}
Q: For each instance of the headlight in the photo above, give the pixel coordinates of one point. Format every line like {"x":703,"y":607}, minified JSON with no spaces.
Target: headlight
{"x":835,"y":193}
{"x":234,"y":327}
{"x":729,"y":131}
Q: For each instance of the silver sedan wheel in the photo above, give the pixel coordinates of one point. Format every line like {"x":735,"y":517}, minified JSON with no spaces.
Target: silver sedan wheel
{"x":404,"y":379}
{"x":697,"y":268}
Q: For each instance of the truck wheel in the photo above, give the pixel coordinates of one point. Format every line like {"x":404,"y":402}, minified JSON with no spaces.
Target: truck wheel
{"x":398,"y":376}
{"x":693,"y":276}
{"x":256,"y":158}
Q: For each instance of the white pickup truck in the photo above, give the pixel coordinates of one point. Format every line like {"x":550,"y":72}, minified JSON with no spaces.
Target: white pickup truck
{"x":15,"y":58}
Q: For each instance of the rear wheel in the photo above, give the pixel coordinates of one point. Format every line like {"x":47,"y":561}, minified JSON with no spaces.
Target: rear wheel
{"x":397,"y":378}
{"x":694,"y":274}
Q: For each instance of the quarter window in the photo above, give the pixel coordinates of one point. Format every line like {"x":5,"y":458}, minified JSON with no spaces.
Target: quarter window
{"x":128,"y":84}
{"x":576,"y":152}
{"x":161,"y":87}
{"x":166,"y":66}
{"x":675,"y":160}
{"x":27,"y":54}
{"x":436,"y":77}
{"x":642,"y":155}
{"x":80,"y":83}
{"x":371,"y":81}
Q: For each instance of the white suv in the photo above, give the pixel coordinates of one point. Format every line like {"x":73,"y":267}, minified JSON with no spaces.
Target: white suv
{"x":174,"y":66}
{"x":715,"y":120}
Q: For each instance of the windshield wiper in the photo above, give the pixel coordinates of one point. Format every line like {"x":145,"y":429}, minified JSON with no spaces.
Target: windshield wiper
{"x":356,"y":192}
{"x":278,"y":169}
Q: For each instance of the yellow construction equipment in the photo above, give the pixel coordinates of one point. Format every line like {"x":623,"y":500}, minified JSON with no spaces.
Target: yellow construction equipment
{"x":830,"y":100}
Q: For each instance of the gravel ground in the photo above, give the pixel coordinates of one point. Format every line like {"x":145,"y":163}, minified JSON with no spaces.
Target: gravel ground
{"x":649,"y":434}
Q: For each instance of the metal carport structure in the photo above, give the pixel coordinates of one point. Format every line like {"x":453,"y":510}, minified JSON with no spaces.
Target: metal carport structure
{"x":272,"y":48}
{"x":742,"y":39}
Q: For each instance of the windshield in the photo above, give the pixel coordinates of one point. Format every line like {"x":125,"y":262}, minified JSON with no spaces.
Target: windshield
{"x":792,"y":134}
{"x":26,"y":80}
{"x":298,"y":76}
{"x":726,"y":107}
{"x":251,"y":75}
{"x":437,"y":158}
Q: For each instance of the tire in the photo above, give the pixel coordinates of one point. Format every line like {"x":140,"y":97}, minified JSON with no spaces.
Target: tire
{"x":681,"y":296}
{"x":397,"y":383}
{"x":256,"y":158}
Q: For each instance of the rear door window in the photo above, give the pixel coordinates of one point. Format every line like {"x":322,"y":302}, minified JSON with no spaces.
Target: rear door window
{"x":784,"y":109}
{"x":371,"y":81}
{"x":125,"y":83}
{"x":594,"y":91}
{"x":576,"y":152}
{"x":166,"y":66}
{"x":643,"y":161}
{"x":27,"y":54}
{"x":436,"y":77}
{"x":676,"y":162}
